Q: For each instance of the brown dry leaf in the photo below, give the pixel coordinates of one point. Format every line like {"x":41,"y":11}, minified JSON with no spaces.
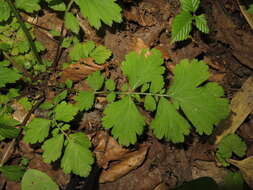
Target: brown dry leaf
{"x":131,"y":162}
{"x":19,"y":113}
{"x":246,"y":168}
{"x":241,"y":107}
{"x":139,"y":44}
{"x":107,"y":149}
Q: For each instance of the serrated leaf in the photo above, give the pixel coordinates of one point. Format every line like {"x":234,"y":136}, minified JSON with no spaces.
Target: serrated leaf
{"x":250,"y":10}
{"x":84,"y":100}
{"x":95,"y":80}
{"x":124,"y":119}
{"x":60,"y":97}
{"x":71,"y":22}
{"x":141,"y":69}
{"x":52,"y":148}
{"x":203,"y":106}
{"x":145,"y":87}
{"x":110,"y":85}
{"x":35,"y":179}
{"x":28,"y":5}
{"x":65,"y":112}
{"x":7,"y":126}
{"x":181,"y":26}
{"x":190,"y":5}
{"x":81,"y":50}
{"x":5,"y":11}
{"x":27,"y":105}
{"x":228,"y":145}
{"x":201,"y":23}
{"x":149,"y":103}
{"x":8,"y":76}
{"x":56,"y":5}
{"x":96,"y":11}
{"x":100,"y":54}
{"x":12,"y":172}
{"x":77,"y":157}
{"x":169,"y":124}
{"x":39,"y":46}
{"x":37,"y":130}
{"x":111,"y":97}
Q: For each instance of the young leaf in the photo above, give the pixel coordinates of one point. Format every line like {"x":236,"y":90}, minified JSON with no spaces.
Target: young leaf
{"x":53,"y":148}
{"x":100,"y":10}
{"x":81,"y":50}
{"x":12,"y":172}
{"x":8,"y":76}
{"x":95,"y":80}
{"x":77,"y":157}
{"x":100,"y":54}
{"x":65,"y":112}
{"x":201,"y":23}
{"x":125,"y":120}
{"x":228,"y":145}
{"x":7,"y":126}
{"x":71,"y":22}
{"x":35,"y":179}
{"x":28,"y":5}
{"x":181,"y":26}
{"x":149,"y":103}
{"x":141,"y":69}
{"x":84,"y":100}
{"x":203,"y":106}
{"x":37,"y":130}
{"x":110,"y":85}
{"x":5,"y":11}
{"x":190,"y":5}
{"x":169,"y":123}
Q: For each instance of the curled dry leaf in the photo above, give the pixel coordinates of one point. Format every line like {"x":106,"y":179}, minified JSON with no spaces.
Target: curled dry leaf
{"x":246,"y":168}
{"x":107,"y":149}
{"x":130,"y":162}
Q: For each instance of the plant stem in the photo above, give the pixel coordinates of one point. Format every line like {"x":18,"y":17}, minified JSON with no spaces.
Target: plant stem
{"x":26,"y":32}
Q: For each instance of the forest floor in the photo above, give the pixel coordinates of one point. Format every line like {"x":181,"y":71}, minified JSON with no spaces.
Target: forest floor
{"x":227,"y":50}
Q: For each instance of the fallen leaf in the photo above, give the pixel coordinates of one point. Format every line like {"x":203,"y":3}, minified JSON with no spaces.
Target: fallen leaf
{"x":131,"y":162}
{"x":246,"y":168}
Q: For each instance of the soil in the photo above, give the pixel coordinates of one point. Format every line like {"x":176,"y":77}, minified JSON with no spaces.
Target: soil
{"x":227,"y":49}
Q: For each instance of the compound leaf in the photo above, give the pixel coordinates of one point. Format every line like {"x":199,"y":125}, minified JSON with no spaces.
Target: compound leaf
{"x":95,"y":80}
{"x":37,"y":130}
{"x":5,"y":11}
{"x":201,"y":23}
{"x":77,"y":157}
{"x":190,"y":5}
{"x":12,"y":172}
{"x":28,"y":5}
{"x":96,"y":11}
{"x":8,"y":76}
{"x":71,"y":22}
{"x":85,"y":100}
{"x":228,"y":145}
{"x":81,"y":50}
{"x":143,"y":68}
{"x":149,"y":103}
{"x":65,"y":112}
{"x":7,"y":126}
{"x":203,"y":106}
{"x":124,"y":119}
{"x":100,"y":54}
{"x":168,"y":123}
{"x":52,"y":148}
{"x":181,"y":26}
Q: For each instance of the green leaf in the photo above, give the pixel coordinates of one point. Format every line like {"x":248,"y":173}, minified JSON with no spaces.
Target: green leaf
{"x":190,"y":5}
{"x":203,"y":106}
{"x":65,"y":112}
{"x":71,"y":22}
{"x":81,"y":50}
{"x":100,"y":54}
{"x":250,"y":10}
{"x":60,"y":97}
{"x":5,"y":11}
{"x":52,"y":148}
{"x":169,"y":124}
{"x":201,"y":23}
{"x":125,"y":120}
{"x":8,"y":76}
{"x":84,"y":100}
{"x":23,"y":46}
{"x":56,"y":5}
{"x":7,"y":126}
{"x":149,"y":103}
{"x":12,"y":172}
{"x":25,"y":103}
{"x":141,"y":69}
{"x":111,"y":97}
{"x":234,"y":180}
{"x":77,"y":157}
{"x":37,"y":130}
{"x":96,"y":11}
{"x":228,"y":145}
{"x":181,"y":26}
{"x":39,"y":46}
{"x":110,"y":85}
{"x":95,"y":80}
{"x":28,"y":5}
{"x":35,"y":179}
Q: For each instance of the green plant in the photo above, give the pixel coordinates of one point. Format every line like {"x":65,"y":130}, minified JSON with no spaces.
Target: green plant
{"x":182,"y":23}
